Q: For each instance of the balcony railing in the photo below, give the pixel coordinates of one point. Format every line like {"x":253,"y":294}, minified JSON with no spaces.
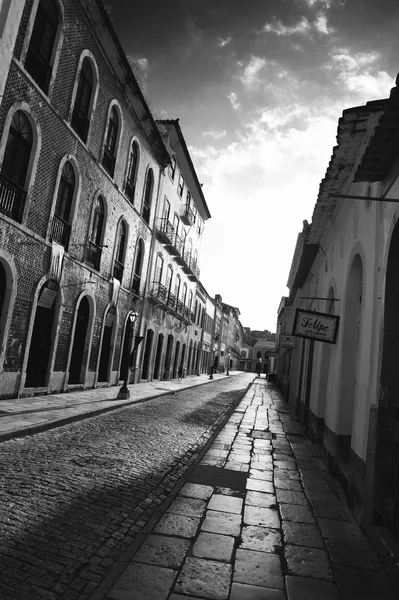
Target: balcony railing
{"x":146,"y":212}
{"x":12,"y":198}
{"x":118,"y":270}
{"x":159,"y":291}
{"x":60,"y":231}
{"x":94,"y":255}
{"x":187,"y":215}
{"x":136,"y":284}
{"x":80,"y":123}
{"x":108,"y":161}
{"x":130,"y":189}
{"x":171,"y":301}
{"x":165,"y":231}
{"x":194,"y":274}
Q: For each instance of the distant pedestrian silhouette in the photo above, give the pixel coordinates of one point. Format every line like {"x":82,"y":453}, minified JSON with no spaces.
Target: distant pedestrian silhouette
{"x":180,"y":372}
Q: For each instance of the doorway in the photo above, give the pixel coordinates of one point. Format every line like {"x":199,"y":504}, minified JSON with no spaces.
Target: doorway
{"x":158,"y":356}
{"x":77,"y":364}
{"x":168,"y":357}
{"x":147,"y":354}
{"x":105,"y":354}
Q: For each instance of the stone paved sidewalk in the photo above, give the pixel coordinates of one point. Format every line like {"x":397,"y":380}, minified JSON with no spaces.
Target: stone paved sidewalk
{"x":25,"y":416}
{"x":259,"y":518}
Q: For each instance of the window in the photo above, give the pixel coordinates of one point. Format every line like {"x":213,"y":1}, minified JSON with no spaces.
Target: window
{"x":166,"y":210}
{"x":40,"y":53}
{"x":14,"y":171}
{"x":120,"y":251}
{"x":259,"y":354}
{"x":188,"y":198}
{"x":172,"y":166}
{"x":130,"y":183}
{"x":149,"y":184}
{"x":109,"y":152}
{"x":61,"y":226}
{"x":158,"y":269}
{"x":184,"y":297}
{"x":190,"y":299}
{"x":177,"y":286}
{"x":83,"y":101}
{"x":96,"y":235}
{"x":195,"y":214}
{"x":199,"y":225}
{"x":176,"y":224}
{"x":138,"y":266}
{"x":180,"y":185}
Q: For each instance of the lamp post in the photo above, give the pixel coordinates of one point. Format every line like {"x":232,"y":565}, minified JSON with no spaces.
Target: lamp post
{"x":260,"y":367}
{"x":228,"y":364}
{"x":124,"y":391}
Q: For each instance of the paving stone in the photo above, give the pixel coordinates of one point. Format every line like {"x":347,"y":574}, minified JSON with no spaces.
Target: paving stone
{"x":239,"y":458}
{"x":302,"y":534}
{"x":339,"y":512}
{"x":178,"y":525}
{"x":287,"y":484}
{"x":196,"y":490}
{"x":204,"y":578}
{"x":258,"y":568}
{"x":302,"y":588}
{"x":261,"y":539}
{"x":260,"y":499}
{"x":318,"y":474}
{"x":340,"y":530}
{"x":241,"y":591}
{"x":222,"y":522}
{"x":323,"y":497}
{"x":143,"y":581}
{"x":261,"y":474}
{"x":352,"y":553}
{"x":299,"y":514}
{"x":260,"y":486}
{"x":308,"y":562}
{"x":316,"y":484}
{"x":229,"y":491}
{"x":291,"y":497}
{"x":264,"y":517}
{"x":361,"y":584}
{"x":180,"y":597}
{"x":285,"y":465}
{"x":286,"y":474}
{"x":223,"y":503}
{"x":190,"y":507}
{"x":214,"y":546}
{"x":162,"y":550}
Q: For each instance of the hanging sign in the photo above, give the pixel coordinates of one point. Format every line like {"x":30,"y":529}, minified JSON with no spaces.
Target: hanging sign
{"x":48,"y":294}
{"x":317,"y":326}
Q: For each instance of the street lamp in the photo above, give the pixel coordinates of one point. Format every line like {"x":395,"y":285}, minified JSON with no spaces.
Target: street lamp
{"x":124,"y":393}
{"x":260,"y":367}
{"x":215,"y":346}
{"x":228,"y":364}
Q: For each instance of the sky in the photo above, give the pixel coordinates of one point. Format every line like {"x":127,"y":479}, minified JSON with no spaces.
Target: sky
{"x":258,"y":87}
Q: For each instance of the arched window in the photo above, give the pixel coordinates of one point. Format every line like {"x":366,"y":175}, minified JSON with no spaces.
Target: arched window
{"x":149,"y":184}
{"x":14,"y":171}
{"x":138,"y":266}
{"x":177,"y":286}
{"x":172,"y":166}
{"x":195,"y":257}
{"x":83,"y":101}
{"x":169,"y":277}
{"x":40,"y":55}
{"x":190,"y":299}
{"x":61,"y":225}
{"x":96,"y":234}
{"x":158,"y":269}
{"x":109,"y":153}
{"x":184,"y":297}
{"x":130,"y":183}
{"x":120,"y":251}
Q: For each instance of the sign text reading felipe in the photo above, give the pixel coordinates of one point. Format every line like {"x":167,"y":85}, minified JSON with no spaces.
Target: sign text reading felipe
{"x":316,"y":326}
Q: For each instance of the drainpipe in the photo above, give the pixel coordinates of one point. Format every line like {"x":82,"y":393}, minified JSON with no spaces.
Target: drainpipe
{"x":142,"y":321}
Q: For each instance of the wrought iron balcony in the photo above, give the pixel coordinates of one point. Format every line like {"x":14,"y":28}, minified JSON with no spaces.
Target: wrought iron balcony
{"x":108,"y":161}
{"x":12,"y":198}
{"x":80,"y":123}
{"x":94,"y":255}
{"x":60,"y":231}
{"x":171,"y":301}
{"x":187,"y":314}
{"x":136,"y":284}
{"x":186,"y":261}
{"x":187,"y":215}
{"x":180,"y":307}
{"x":118,"y":270}
{"x":194,"y":274}
{"x":159,"y":292}
{"x":165,"y":231}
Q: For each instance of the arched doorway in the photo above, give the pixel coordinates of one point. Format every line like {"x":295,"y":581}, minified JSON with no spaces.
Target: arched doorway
{"x":158,"y":357}
{"x":3,"y":289}
{"x":125,"y":351}
{"x":317,"y":431}
{"x":41,"y":340}
{"x":176,"y":362}
{"x":190,"y":352}
{"x":105,"y":354}
{"x":168,"y":357}
{"x":147,"y":354}
{"x":183,"y":354}
{"x":350,"y":344}
{"x":386,"y":502}
{"x":77,"y":364}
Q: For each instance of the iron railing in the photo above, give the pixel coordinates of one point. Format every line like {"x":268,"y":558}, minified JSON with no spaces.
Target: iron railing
{"x":118,"y":270}
{"x":130,"y":189}
{"x":60,"y":231}
{"x":80,"y":123}
{"x":12,"y":198}
{"x":187,"y":215}
{"x":108,"y":161}
{"x":94,"y":255}
{"x":136,"y":284}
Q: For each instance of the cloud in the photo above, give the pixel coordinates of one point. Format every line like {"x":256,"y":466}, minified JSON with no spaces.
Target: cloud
{"x":302,"y":27}
{"x":250,"y":74}
{"x":224,"y":41}
{"x":320,"y":24}
{"x":216,"y":135}
{"x":233,"y":99}
{"x":359,"y":72}
{"x":140,"y":67}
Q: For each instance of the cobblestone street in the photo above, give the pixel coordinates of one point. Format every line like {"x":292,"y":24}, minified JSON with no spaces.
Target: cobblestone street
{"x":74,"y":499}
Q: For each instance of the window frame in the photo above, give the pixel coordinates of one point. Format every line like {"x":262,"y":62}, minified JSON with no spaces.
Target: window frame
{"x":128,"y":180}
{"x":99,"y":242}
{"x":144,"y":204}
{"x":180,"y":185}
{"x":137,"y":273}
{"x":85,"y":54}
{"x":75,"y":199}
{"x":114,"y":108}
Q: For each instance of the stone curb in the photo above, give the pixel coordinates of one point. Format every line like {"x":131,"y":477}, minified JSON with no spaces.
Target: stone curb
{"x":42,"y":427}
